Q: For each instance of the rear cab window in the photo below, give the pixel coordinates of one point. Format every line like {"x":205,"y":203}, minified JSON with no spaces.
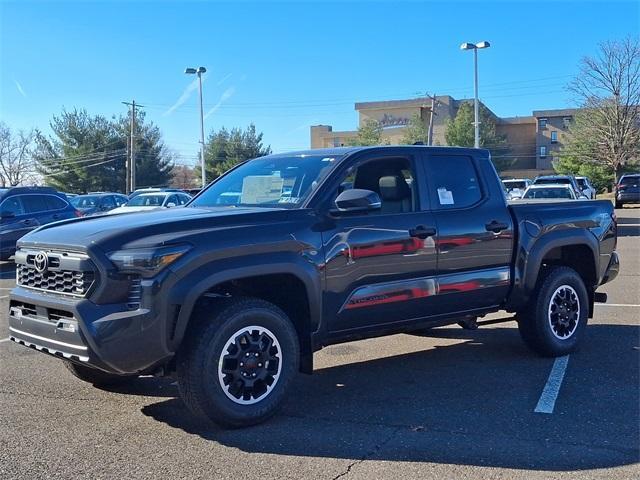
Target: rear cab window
{"x":453,"y":180}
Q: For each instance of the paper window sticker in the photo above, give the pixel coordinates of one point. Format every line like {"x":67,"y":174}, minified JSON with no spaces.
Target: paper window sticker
{"x":445,"y":196}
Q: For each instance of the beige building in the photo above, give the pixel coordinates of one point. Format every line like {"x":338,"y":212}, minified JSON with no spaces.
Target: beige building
{"x":532,"y":140}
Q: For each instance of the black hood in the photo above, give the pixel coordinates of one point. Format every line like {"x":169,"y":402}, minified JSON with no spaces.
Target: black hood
{"x":146,"y":229}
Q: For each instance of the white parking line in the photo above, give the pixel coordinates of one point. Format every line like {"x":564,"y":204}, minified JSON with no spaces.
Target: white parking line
{"x":617,"y":305}
{"x":4,"y":340}
{"x":6,"y":296}
{"x":550,"y":391}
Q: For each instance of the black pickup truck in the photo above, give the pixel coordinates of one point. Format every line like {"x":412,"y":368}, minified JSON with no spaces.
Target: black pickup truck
{"x":284,"y":254}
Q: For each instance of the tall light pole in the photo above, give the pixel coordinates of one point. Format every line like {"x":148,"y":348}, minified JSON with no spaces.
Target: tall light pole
{"x":199,"y":71}
{"x":476,"y":121}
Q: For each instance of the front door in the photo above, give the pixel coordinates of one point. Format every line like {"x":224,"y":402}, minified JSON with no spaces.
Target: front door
{"x":381,"y":265}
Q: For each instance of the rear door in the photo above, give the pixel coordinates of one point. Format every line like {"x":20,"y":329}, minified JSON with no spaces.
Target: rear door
{"x":380,"y":267}
{"x":475,"y":232}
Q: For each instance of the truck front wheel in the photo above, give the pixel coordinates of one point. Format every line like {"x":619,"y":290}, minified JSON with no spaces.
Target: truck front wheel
{"x":237,"y":362}
{"x":554,"y":320}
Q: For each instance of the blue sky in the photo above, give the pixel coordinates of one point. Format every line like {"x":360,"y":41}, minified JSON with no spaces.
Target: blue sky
{"x":285,"y":66}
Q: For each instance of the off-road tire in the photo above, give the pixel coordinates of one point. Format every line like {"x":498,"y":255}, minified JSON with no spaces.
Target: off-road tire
{"x":202,"y":355}
{"x":535,"y":321}
{"x":96,"y":377}
{"x":619,"y":204}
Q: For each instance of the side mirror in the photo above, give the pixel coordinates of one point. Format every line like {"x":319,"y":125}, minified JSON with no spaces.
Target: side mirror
{"x":7,"y":214}
{"x":357,"y":200}
{"x":171,"y":204}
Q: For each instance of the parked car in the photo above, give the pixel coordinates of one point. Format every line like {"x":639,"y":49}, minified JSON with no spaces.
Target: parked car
{"x":192,"y":191}
{"x":152,"y":201}
{"x":586,"y":187}
{"x":550,"y":192}
{"x":234,"y":300}
{"x":628,"y":189}
{"x":24,"y":208}
{"x":515,"y":187}
{"x":98,"y":203}
{"x":140,"y":191}
{"x":558,"y":180}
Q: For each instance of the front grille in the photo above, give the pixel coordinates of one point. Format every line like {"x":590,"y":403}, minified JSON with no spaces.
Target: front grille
{"x":59,"y":272}
{"x":59,"y":281}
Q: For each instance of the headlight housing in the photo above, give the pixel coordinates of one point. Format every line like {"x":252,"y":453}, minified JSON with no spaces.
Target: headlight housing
{"x":147,"y":262}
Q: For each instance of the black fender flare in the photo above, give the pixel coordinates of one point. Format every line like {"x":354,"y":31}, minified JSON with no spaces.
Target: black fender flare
{"x":190,"y":288}
{"x":527,"y":264}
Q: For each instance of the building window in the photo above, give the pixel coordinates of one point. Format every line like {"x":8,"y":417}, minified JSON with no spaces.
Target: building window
{"x":336,"y":141}
{"x":566,"y":121}
{"x":543,"y":152}
{"x":554,"y":137}
{"x":542,"y":123}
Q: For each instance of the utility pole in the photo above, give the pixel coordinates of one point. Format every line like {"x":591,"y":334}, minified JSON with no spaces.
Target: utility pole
{"x":476,"y":121}
{"x":431,"y":114}
{"x":131,"y":165}
{"x":199,"y":71}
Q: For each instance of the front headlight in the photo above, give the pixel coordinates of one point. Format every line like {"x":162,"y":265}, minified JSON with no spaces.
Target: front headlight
{"x":147,"y":262}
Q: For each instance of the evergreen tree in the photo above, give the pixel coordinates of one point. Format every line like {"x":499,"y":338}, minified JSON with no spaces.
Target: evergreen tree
{"x":224,"y":149}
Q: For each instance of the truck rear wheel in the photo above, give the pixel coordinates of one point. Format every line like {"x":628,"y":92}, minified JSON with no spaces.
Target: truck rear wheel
{"x":237,"y":362}
{"x":554,"y":320}
{"x":95,"y":376}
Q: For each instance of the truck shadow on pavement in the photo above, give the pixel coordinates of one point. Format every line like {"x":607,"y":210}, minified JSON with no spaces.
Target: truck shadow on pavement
{"x":7,"y":270}
{"x":469,"y":401}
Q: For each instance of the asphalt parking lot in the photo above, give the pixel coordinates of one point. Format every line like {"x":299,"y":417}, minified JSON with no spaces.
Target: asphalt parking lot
{"x":452,"y":404}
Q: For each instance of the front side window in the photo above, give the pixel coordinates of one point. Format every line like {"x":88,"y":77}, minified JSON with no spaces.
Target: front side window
{"x":12,"y":205}
{"x":108,"y":203}
{"x":146,"y":201}
{"x":85,"y":201}
{"x":273,"y":181}
{"x":391,"y":178}
{"x":454,"y":181}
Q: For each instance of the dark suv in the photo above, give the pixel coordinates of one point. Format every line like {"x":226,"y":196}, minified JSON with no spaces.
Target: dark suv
{"x":628,"y":189}
{"x":24,"y":208}
{"x":98,"y":203}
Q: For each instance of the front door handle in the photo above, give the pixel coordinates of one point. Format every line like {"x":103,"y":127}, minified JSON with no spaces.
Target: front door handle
{"x":422,"y":232}
{"x":26,"y":222}
{"x":496,"y":227}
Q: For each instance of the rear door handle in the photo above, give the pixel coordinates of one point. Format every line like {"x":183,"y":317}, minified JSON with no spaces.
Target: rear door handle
{"x":422,"y":232}
{"x":496,"y":227}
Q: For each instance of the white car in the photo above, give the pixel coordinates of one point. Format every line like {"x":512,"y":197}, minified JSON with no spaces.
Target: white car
{"x":587,"y":188}
{"x":551,"y":192}
{"x":516,"y":186}
{"x":152,"y":201}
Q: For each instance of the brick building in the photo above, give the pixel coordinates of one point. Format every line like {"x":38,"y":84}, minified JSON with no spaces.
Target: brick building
{"x":532,"y":140}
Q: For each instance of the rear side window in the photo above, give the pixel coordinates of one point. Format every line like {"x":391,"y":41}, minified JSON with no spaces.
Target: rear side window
{"x":629,"y":180}
{"x":108,"y":202}
{"x":454,"y":181}
{"x":121,"y":200}
{"x":34,"y":203}
{"x":55,"y":203}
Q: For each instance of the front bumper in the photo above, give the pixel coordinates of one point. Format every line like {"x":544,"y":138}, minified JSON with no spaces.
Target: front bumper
{"x":612,"y":269}
{"x":110,"y":337}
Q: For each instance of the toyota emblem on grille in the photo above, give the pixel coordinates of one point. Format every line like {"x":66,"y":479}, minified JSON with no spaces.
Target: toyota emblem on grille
{"x":41,"y":261}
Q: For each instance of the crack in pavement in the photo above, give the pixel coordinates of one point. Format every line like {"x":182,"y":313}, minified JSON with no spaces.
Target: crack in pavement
{"x":368,"y":455}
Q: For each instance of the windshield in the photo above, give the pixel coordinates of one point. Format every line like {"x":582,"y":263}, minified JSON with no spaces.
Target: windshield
{"x":89,"y":201}
{"x":146,"y":201}
{"x":559,"y":192}
{"x":268,"y":181}
{"x":511,"y":184}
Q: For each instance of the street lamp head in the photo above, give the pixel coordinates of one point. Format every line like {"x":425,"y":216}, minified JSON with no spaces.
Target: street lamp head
{"x":203,"y":70}
{"x":467,"y":46}
{"x":483,"y":45}
{"x":190,"y":71}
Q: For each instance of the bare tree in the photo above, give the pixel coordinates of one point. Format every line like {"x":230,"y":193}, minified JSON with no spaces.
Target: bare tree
{"x":606,"y":131}
{"x":16,"y":161}
{"x":183,"y":177}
